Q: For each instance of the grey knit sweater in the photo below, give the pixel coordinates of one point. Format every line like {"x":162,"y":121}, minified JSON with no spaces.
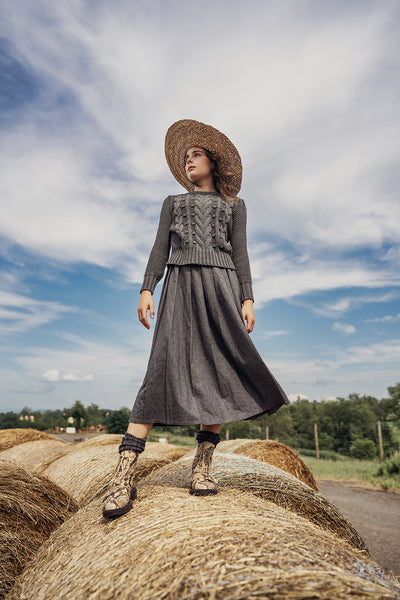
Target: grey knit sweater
{"x":201,"y":228}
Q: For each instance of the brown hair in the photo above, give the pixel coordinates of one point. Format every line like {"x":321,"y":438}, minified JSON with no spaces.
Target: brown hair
{"x":219,"y":176}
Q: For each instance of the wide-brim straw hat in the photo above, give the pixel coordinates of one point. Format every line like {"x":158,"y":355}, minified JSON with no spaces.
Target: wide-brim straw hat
{"x":187,"y":133}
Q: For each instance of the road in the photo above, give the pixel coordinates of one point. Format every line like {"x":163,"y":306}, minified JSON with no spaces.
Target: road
{"x":376,"y":516}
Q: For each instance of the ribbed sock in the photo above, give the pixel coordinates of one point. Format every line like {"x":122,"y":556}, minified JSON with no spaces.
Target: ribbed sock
{"x":131,"y":442}
{"x":208,"y":436}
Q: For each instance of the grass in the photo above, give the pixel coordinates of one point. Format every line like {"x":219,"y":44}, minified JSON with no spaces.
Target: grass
{"x":179,"y":440}
{"x":369,"y":471}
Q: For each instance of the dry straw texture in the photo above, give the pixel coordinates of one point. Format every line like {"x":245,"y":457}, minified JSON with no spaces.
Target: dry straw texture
{"x":172,"y":545}
{"x":31,"y":507}
{"x":31,"y":454}
{"x":169,"y":451}
{"x":13,"y":437}
{"x":273,"y":453}
{"x":86,"y":472}
{"x":269,"y":482}
{"x":103,"y":439}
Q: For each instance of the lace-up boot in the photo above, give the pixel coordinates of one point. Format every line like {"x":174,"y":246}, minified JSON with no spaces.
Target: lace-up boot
{"x":203,"y":483}
{"x":122,"y":490}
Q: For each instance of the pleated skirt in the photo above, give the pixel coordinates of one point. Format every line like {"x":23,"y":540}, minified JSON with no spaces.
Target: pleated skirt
{"x":203,"y":366}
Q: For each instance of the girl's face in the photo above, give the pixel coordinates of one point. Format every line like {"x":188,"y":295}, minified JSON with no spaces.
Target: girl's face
{"x":198,"y":167}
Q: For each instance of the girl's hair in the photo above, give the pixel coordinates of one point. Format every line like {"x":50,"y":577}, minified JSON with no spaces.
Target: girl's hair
{"x":220,"y":183}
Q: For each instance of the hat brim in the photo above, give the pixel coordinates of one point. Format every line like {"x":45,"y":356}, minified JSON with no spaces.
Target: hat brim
{"x":187,"y":133}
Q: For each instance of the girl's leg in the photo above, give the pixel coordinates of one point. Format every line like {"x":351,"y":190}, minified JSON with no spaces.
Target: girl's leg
{"x":203,"y":483}
{"x":139,"y":430}
{"x":213,"y":428}
{"x":122,"y":489}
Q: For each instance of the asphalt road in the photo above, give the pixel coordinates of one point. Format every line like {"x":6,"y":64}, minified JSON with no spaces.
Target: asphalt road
{"x":375,"y":515}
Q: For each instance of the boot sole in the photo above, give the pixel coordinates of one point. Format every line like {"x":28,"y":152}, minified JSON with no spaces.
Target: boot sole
{"x":203,"y":492}
{"x":117,"y":512}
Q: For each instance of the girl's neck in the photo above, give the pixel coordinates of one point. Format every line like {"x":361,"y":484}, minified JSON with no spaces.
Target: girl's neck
{"x":208,"y":187}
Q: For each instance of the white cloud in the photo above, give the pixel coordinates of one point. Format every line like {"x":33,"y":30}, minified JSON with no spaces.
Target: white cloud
{"x":344,"y":328}
{"x":295,"y":397}
{"x":269,"y":334}
{"x":19,"y":312}
{"x":277,"y":275}
{"x":315,"y":152}
{"x":54,"y":375}
{"x":385,"y":319}
{"x":51,"y":375}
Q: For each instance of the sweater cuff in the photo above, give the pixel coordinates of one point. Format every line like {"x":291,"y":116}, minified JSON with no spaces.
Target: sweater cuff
{"x":149,"y":283}
{"x":246,"y":291}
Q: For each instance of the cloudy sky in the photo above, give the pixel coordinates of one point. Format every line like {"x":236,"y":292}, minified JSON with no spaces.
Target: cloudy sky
{"x":308,"y":91}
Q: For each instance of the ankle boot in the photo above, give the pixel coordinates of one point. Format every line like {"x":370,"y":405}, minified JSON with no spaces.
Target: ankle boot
{"x":122,"y":491}
{"x":203,"y":483}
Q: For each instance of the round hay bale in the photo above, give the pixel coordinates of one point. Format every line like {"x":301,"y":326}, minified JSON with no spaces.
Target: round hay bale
{"x":229,"y":446}
{"x":31,"y":507}
{"x":279,"y":455}
{"x":30,"y":454}
{"x":172,"y":545}
{"x":101,"y":440}
{"x":13,"y":437}
{"x":86,"y":471}
{"x":169,"y":451}
{"x":269,"y":482}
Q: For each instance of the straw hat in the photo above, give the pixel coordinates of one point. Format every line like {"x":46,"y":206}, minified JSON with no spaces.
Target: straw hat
{"x":188,"y":133}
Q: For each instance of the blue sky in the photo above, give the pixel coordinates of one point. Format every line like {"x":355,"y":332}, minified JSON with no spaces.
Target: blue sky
{"x":309,"y":93}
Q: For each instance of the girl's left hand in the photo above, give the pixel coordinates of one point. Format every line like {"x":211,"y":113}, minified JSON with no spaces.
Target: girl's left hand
{"x":248,"y":315}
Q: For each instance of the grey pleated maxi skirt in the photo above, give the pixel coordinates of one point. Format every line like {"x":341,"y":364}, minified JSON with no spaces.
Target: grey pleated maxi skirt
{"x":203,"y":366}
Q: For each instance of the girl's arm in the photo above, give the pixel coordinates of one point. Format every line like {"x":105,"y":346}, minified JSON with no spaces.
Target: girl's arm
{"x":156,"y":264}
{"x":240,"y":259}
{"x":159,"y":254}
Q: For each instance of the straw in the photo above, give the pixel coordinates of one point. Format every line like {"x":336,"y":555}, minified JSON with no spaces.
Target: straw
{"x":13,"y":437}
{"x":270,"y":483}
{"x":31,"y":507}
{"x":175,"y":546}
{"x":86,"y":472}
{"x":273,"y":453}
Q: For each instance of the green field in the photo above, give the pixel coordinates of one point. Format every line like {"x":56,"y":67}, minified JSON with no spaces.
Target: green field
{"x":381,"y":474}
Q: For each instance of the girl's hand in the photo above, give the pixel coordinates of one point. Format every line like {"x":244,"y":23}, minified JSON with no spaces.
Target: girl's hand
{"x":146,"y":303}
{"x":248,"y":315}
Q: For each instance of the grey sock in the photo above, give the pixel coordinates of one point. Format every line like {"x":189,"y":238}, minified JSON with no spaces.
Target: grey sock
{"x":131,"y":442}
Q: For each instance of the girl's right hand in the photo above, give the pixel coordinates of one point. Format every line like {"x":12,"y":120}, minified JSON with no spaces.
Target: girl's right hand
{"x":146,"y":303}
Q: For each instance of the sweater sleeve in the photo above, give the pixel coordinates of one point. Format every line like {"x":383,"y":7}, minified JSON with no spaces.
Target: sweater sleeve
{"x":159,"y":254}
{"x":239,"y":249}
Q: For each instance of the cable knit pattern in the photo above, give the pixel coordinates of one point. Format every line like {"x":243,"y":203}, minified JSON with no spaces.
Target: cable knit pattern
{"x":201,"y":228}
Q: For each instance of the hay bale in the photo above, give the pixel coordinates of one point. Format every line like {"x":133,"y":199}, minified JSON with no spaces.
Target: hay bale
{"x":30,"y":454}
{"x":101,"y":440}
{"x":170,"y":451}
{"x":229,"y":446}
{"x":13,"y":437}
{"x":279,"y":455}
{"x":172,"y":545}
{"x":269,"y":482}
{"x":86,"y":471}
{"x":31,"y":507}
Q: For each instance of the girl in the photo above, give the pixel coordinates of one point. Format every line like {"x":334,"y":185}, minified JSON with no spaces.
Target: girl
{"x":203,"y":367}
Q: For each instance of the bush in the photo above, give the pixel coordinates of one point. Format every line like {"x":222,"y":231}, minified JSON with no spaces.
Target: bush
{"x":391,"y":466}
{"x":363,"y":448}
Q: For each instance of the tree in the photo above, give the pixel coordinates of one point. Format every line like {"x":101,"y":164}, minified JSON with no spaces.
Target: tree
{"x":117,"y":420}
{"x":10,"y":420}
{"x":79,"y":414}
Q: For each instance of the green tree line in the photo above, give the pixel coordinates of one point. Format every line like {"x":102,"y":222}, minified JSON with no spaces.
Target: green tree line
{"x":346,"y":426}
